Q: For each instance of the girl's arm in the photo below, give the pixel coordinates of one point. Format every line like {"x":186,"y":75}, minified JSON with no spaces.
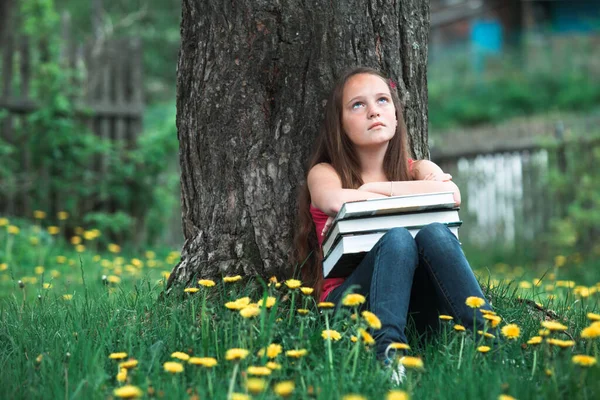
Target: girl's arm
{"x":326,"y":192}
{"x":428,"y":178}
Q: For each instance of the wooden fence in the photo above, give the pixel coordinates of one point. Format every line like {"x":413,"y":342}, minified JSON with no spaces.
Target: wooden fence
{"x":503,"y":173}
{"x":111,"y":103}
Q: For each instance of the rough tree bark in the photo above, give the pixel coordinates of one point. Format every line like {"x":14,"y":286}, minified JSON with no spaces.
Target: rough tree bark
{"x":252,"y":80}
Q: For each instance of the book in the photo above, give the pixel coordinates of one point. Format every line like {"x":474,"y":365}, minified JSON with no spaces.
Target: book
{"x":395,"y":205}
{"x":351,"y":249}
{"x":385,"y":222}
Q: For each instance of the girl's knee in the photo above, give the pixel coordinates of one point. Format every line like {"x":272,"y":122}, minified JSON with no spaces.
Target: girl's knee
{"x":400,"y":240}
{"x":433,"y":231}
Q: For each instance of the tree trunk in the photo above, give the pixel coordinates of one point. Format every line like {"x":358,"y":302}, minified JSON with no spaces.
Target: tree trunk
{"x":252,"y":80}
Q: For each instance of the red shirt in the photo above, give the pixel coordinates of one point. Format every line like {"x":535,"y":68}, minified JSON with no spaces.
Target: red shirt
{"x":319,"y":218}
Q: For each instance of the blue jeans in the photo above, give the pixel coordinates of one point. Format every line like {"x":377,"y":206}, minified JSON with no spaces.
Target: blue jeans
{"x":424,"y":277}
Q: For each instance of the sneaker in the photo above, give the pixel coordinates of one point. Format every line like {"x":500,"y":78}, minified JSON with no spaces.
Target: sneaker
{"x":398,"y":374}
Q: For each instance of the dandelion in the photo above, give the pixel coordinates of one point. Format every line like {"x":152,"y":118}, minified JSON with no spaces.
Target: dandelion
{"x":353,"y":300}
{"x":128,"y":392}
{"x":122,"y":375}
{"x":53,"y":230}
{"x":397,"y":395}
{"x":487,"y":312}
{"x":549,"y":372}
{"x":554,"y":326}
{"x":250,"y":311}
{"x":330,"y":334}
{"x":258,"y":371}
{"x":296,"y":353}
{"x":238,"y":304}
{"x":284,"y":389}
{"x":483,"y":349}
{"x":270,"y":302}
{"x":486,"y":334}
{"x":293,"y":283}
{"x":353,"y":396}
{"x":231,"y":279}
{"x":207,"y":362}
{"x":131,"y":363}
{"x":113,"y":279}
{"x":256,"y":385}
{"x":303,"y":311}
{"x":325,"y":304}
{"x":583,"y":360}
{"x":180,"y":355}
{"x":272,"y":350}
{"x":474,"y":302}
{"x":494,"y":319}
{"x":3,"y":267}
{"x":273,"y":365}
{"x":306,"y":290}
{"x":114,"y":248}
{"x":371,"y":319}
{"x":412,"y":362}
{"x":366,"y":337}
{"x":590,"y":332}
{"x":399,"y":346}
{"x":4,"y":221}
{"x":117,"y":356}
{"x":67,"y":297}
{"x":39,"y":358}
{"x":535,"y":340}
{"x":446,"y":317}
{"x":511,"y":331}
{"x":173,"y":367}
{"x":13,"y":229}
{"x":505,"y":397}
{"x":459,"y":328}
{"x":236,"y":354}
{"x":563,"y":344}
{"x":593,"y":317}
{"x":544,"y":332}
{"x":191,"y":290}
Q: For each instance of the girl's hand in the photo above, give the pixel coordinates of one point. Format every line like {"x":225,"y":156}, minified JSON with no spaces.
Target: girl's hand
{"x":435,"y":176}
{"x":327,"y":226}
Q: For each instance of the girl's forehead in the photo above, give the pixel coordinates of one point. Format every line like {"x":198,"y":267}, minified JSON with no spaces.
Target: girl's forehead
{"x":364,"y":85}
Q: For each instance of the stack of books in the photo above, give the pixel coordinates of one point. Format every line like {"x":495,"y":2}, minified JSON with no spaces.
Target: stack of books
{"x":360,"y":224}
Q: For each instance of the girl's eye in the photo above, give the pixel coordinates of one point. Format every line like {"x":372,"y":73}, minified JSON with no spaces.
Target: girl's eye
{"x":357,"y":104}
{"x":383,"y":99}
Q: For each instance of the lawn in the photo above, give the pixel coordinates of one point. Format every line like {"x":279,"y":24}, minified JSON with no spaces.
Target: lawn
{"x":83,"y":319}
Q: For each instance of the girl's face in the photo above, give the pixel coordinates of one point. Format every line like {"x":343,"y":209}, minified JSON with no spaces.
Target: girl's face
{"x":368,"y":112}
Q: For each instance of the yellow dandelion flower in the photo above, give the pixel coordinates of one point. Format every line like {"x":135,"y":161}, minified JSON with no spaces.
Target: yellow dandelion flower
{"x":366,"y":337}
{"x":412,"y":362}
{"x":397,"y":395}
{"x":131,"y":363}
{"x":3,"y":267}
{"x":483,"y":349}
{"x":548,"y":372}
{"x":307,"y":290}
{"x":258,"y":371}
{"x":39,"y":270}
{"x":53,"y":230}
{"x":128,"y":392}
{"x":4,"y":221}
{"x":486,"y":334}
{"x":487,"y":312}
{"x":114,"y":248}
{"x":591,"y":332}
{"x":191,"y":290}
{"x":330,"y":334}
{"x":554,"y":326}
{"x":303,"y":311}
{"x":122,"y":375}
{"x":544,"y":332}
{"x":80,"y":248}
{"x":505,"y":397}
{"x":293,"y":283}
{"x":252,"y":310}
{"x":325,"y":304}
{"x":240,"y":396}
{"x":113,"y":279}
{"x":296,"y":353}
{"x":173,"y":367}
{"x":559,"y":261}
{"x":399,"y":346}
{"x":593,"y":317}
{"x":273,"y":365}
{"x":256,"y":385}
{"x":563,"y":344}
{"x":67,"y":297}
{"x":446,"y":317}
{"x":231,"y":279}
{"x":459,"y":328}
{"x":583,"y":360}
{"x":353,"y":396}
{"x":371,"y":319}
{"x":117,"y":356}
{"x":207,"y":362}
{"x":494,"y":319}
{"x":525,"y":285}
{"x":270,"y":302}
{"x":353,"y":300}
{"x":284,"y":389}
{"x":13,"y":230}
{"x":511,"y":331}
{"x":62,"y":215}
{"x":180,"y":355}
{"x":474,"y":302}
{"x":39,"y":214}
{"x":236,"y":354}
{"x":273,"y":350}
{"x":353,"y":339}
{"x":535,"y":340}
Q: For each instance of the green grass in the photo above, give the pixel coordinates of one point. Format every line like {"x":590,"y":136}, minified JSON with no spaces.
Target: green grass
{"x":75,"y":337}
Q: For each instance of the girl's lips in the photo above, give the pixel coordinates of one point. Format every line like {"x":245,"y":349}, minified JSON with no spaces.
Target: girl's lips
{"x":375,"y":125}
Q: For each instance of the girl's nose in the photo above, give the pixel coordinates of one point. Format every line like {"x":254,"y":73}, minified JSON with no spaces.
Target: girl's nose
{"x":373,"y":112}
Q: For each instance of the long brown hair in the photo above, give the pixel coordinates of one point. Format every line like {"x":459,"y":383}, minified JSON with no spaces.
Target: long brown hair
{"x":334,"y":147}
